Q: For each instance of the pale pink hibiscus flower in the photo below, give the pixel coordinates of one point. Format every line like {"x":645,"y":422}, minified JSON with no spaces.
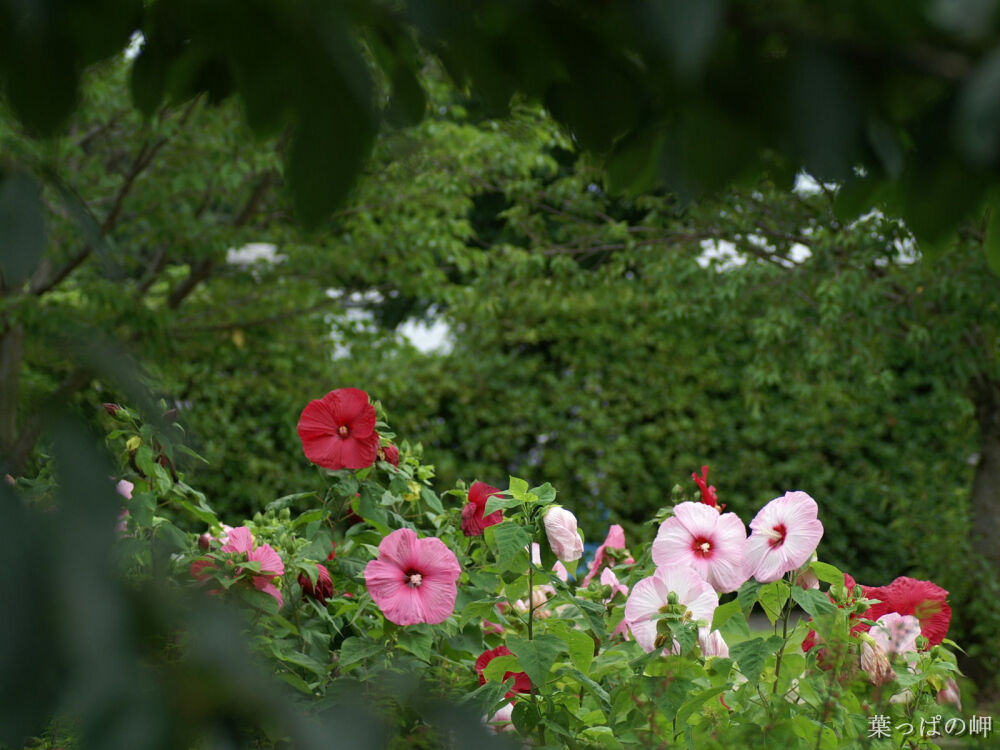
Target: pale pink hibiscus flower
{"x":651,"y":597}
{"x":608,"y":578}
{"x":710,"y":542}
{"x":614,"y":540}
{"x":413,"y":580}
{"x":712,"y":643}
{"x":896,"y":633}
{"x":785,"y":534}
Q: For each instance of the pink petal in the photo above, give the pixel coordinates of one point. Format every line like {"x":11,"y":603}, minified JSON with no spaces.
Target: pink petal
{"x":436,"y":597}
{"x":399,"y":548}
{"x":270,"y":561}
{"x":270,"y":588}
{"x":434,"y":560}
{"x":800,"y":543}
{"x":240,"y":540}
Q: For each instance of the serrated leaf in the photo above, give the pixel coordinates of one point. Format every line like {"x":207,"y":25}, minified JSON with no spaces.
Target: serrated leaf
{"x":417,"y":642}
{"x":545,"y":493}
{"x":751,"y":656}
{"x":510,"y":540}
{"x":536,"y":656}
{"x":501,"y":665}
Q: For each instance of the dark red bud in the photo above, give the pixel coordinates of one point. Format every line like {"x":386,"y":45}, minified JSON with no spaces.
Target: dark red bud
{"x":111,"y":409}
{"x":205,"y":541}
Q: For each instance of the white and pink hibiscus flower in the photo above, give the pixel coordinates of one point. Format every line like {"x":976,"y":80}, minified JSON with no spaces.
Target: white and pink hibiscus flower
{"x":561,"y":531}
{"x":413,"y":580}
{"x":679,"y":588}
{"x":710,"y":542}
{"x":785,"y":533}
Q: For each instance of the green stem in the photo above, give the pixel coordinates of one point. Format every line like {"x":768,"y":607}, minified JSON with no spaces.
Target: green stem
{"x":784,"y":636}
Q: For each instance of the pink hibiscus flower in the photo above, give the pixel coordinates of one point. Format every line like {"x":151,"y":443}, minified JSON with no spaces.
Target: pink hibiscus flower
{"x":473,"y":520}
{"x":561,"y":531}
{"x":338,"y":430}
{"x":413,"y":580}
{"x":710,"y":542}
{"x":240,"y":542}
{"x":785,"y":534}
{"x":651,"y":597}
{"x":614,"y":540}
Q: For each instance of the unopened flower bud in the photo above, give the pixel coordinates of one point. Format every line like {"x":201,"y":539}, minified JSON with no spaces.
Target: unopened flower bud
{"x":111,"y":409}
{"x":561,"y":530}
{"x":876,"y":663}
{"x":205,"y":541}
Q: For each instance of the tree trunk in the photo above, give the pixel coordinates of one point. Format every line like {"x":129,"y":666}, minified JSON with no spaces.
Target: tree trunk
{"x":11,"y":353}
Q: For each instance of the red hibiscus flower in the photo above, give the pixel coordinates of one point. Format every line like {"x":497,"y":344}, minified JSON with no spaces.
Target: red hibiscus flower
{"x":338,"y":430}
{"x":522,"y":683}
{"x":908,"y":596}
{"x":473,"y":520}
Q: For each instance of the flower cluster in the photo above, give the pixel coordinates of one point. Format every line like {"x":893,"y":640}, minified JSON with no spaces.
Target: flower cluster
{"x":701,"y":552}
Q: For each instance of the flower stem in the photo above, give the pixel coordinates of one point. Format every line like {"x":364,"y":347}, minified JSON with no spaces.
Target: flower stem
{"x":784,"y":636}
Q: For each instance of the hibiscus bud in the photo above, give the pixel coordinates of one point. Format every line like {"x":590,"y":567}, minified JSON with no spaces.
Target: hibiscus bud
{"x":9,"y":479}
{"x":323,"y":589}
{"x":389,"y":453}
{"x":876,"y":663}
{"x":205,"y":541}
{"x":111,"y":409}
{"x":124,"y":488}
{"x":561,"y":530}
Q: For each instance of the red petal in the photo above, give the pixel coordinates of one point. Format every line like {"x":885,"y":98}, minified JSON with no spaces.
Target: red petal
{"x":357,"y":453}
{"x":354,"y":410}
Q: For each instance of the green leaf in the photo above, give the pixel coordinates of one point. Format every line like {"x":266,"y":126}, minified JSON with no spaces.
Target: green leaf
{"x":827,"y":573}
{"x":295,"y":681}
{"x":525,"y":716}
{"x":431,"y":499}
{"x":724,"y":612}
{"x":536,"y":656}
{"x":205,"y":515}
{"x":354,"y":650}
{"x":690,"y":706}
{"x":545,"y":493}
{"x":501,"y":665}
{"x":579,"y":644}
{"x":518,"y":488}
{"x":747,"y":595}
{"x":772,"y":598}
{"x":810,"y":730}
{"x":417,"y":642}
{"x":499,"y":502}
{"x":510,"y":540}
{"x":287,"y":500}
{"x":601,"y":737}
{"x":257,"y":599}
{"x":813,"y":601}
{"x":751,"y":656}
